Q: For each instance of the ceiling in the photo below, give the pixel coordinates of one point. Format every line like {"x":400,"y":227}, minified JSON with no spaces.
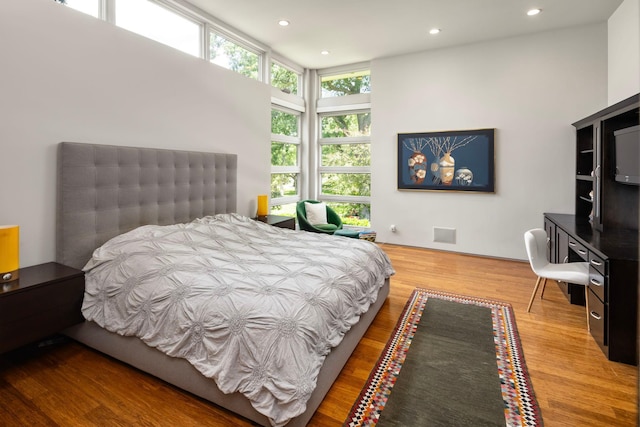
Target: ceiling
{"x":361,"y":30}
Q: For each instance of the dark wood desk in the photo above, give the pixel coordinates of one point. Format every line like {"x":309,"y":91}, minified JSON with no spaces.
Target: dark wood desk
{"x":613,"y":272}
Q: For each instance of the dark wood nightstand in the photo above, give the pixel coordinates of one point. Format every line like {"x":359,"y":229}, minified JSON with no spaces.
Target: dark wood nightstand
{"x":278,"y":221}
{"x":46,"y":299}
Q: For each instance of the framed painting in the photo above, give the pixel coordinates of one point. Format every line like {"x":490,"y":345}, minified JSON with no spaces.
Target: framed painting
{"x":461,"y":160}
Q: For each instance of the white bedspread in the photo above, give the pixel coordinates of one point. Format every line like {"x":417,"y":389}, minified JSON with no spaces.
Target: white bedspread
{"x":255,"y":307}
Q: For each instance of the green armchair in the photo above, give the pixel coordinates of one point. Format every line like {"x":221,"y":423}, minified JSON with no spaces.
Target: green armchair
{"x":334,"y":222}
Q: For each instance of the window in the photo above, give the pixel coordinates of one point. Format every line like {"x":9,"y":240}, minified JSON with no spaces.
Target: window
{"x":284,"y":79}
{"x":353,"y":214}
{"x":287,"y":139}
{"x":345,"y":154}
{"x":345,"y":184}
{"x":90,"y":7}
{"x":345,"y":84}
{"x":182,"y":28}
{"x":285,"y":123}
{"x":346,"y":125}
{"x":345,"y":160}
{"x":343,"y":176}
{"x":285,"y":161}
{"x":161,"y":24}
{"x":232,"y":56}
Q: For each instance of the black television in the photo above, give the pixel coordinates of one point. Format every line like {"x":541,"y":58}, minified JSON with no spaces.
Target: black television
{"x":627,"y":155}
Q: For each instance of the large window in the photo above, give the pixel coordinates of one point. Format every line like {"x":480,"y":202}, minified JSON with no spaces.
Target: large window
{"x":326,"y":156}
{"x":285,"y":161}
{"x":156,"y":22}
{"x":343,"y":175}
{"x":345,"y":160}
{"x":228,"y":54}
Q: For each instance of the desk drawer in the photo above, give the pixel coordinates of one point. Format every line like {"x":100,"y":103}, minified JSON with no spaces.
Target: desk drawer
{"x":597,"y":284}
{"x":597,"y":263}
{"x":598,"y":321}
{"x":578,"y":248}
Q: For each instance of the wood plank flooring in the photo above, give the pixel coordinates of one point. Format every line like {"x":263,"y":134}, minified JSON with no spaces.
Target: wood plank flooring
{"x":71,"y":385}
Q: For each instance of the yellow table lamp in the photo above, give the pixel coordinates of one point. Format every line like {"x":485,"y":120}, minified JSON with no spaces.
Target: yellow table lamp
{"x":263,"y":205}
{"x":9,"y":253}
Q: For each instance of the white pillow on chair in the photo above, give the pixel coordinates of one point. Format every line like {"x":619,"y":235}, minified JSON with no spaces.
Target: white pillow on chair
{"x":316,"y":212}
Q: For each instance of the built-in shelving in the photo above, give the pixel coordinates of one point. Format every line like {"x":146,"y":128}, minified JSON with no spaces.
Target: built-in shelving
{"x":605,"y":226}
{"x":598,"y":198}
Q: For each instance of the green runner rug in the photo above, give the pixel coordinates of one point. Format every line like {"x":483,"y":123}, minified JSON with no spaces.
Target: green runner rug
{"x":451,"y":361}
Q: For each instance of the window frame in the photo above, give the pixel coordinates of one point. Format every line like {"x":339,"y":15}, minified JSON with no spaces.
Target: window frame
{"x":345,"y":69}
{"x":238,"y":41}
{"x":340,"y":169}
{"x":294,"y":140}
{"x":109,"y":10}
{"x":281,"y":64}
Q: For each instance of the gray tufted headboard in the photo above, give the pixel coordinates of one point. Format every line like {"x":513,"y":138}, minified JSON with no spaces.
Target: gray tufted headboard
{"x":106,"y":190}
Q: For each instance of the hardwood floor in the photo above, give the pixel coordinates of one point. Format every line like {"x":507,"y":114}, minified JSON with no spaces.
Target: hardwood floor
{"x":71,"y":385}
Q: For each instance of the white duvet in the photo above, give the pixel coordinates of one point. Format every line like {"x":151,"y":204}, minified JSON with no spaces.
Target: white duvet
{"x":255,"y":307}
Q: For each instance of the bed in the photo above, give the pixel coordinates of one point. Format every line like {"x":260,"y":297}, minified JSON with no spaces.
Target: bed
{"x":106,"y":192}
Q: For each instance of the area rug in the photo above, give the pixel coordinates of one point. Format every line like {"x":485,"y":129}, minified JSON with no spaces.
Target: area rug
{"x":452,"y":360}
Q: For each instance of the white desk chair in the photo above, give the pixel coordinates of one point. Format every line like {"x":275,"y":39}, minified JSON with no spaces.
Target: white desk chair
{"x":573,"y":272}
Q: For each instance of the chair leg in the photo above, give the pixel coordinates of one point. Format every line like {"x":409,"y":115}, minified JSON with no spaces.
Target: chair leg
{"x":586,"y":303}
{"x":544,"y":285}
{"x":533,"y":295}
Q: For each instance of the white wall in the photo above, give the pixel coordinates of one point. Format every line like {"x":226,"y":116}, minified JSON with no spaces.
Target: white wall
{"x":624,"y":51}
{"x":66,"y":76}
{"x":530,"y":89}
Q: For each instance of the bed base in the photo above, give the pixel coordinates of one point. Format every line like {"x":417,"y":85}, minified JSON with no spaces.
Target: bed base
{"x":183,"y":375}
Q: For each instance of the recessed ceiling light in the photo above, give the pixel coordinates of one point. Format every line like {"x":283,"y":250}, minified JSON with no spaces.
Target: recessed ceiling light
{"x":324,"y":52}
{"x":434,"y":31}
{"x":283,"y":22}
{"x":534,"y":12}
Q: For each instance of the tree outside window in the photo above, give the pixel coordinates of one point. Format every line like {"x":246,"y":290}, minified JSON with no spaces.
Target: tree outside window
{"x":284,"y":79}
{"x":346,"y":84}
{"x":232,"y":56}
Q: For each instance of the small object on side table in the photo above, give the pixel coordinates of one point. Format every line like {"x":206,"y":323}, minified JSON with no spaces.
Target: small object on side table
{"x":9,"y":253}
{"x":278,"y":221}
{"x":368,"y":235}
{"x":46,"y":299}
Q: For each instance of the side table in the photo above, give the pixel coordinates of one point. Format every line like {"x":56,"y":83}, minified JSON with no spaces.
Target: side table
{"x":278,"y":221}
{"x":46,"y":299}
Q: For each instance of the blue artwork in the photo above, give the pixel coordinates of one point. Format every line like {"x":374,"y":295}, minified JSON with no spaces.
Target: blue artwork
{"x":450,"y":160}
